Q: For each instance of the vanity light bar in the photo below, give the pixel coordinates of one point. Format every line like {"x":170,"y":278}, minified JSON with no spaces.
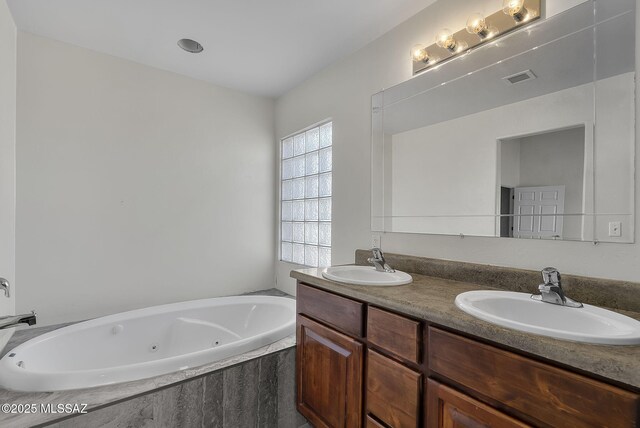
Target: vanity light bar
{"x":514,"y":14}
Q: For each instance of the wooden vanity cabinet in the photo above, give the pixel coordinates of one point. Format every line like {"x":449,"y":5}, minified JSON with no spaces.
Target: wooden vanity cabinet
{"x":328,"y":376}
{"x":359,"y":365}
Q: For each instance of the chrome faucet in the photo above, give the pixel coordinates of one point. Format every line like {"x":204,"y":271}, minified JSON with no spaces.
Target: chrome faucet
{"x":14,"y":320}
{"x":4,"y":286}
{"x":379,"y":262}
{"x":551,"y":291}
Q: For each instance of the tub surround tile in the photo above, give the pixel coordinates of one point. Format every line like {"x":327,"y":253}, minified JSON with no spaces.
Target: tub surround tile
{"x":213,"y":399}
{"x":432,"y":298}
{"x":288,"y":416}
{"x":102,"y":396}
{"x":624,"y":295}
{"x":99,"y":398}
{"x":240,"y":393}
{"x":267,"y":408}
{"x":245,"y":395}
{"x":269,"y":292}
{"x":137,"y":412}
{"x":182,"y":405}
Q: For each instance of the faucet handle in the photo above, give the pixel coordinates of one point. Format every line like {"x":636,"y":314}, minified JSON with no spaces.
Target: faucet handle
{"x":551,"y":275}
{"x":379,"y":262}
{"x":4,"y":286}
{"x":377,"y":253}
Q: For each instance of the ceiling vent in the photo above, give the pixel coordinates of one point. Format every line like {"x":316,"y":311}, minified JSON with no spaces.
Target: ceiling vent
{"x":190,"y":46}
{"x":523,"y":76}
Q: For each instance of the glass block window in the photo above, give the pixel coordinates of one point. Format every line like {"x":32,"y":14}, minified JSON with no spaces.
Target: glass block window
{"x":306,"y":197}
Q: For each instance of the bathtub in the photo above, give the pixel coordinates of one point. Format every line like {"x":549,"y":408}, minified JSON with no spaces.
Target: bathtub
{"x":146,"y":342}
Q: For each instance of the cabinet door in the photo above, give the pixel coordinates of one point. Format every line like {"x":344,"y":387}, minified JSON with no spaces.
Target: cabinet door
{"x":328,"y":376}
{"x":448,"y":408}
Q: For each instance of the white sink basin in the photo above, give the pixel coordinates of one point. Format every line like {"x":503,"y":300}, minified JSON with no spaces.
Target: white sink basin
{"x":366,"y":275}
{"x":518,"y":311}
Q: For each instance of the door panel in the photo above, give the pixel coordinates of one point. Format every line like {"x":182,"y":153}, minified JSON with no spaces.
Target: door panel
{"x":539,"y":211}
{"x":328,"y":375}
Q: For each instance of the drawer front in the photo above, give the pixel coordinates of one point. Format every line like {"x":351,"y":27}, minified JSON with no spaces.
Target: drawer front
{"x":393,"y":392}
{"x":340,"y":312}
{"x":545,"y":393}
{"x":394,"y":333}
{"x":447,"y":408}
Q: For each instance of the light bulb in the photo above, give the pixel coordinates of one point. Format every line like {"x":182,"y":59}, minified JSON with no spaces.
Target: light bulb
{"x":476,"y":24}
{"x":419,"y":54}
{"x":445,"y":40}
{"x":515,"y":9}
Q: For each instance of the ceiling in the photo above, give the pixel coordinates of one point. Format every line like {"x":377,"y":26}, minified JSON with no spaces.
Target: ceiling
{"x":257,"y":46}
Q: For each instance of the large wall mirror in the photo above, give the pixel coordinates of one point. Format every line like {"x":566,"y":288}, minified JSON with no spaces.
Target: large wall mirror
{"x":531,"y":136}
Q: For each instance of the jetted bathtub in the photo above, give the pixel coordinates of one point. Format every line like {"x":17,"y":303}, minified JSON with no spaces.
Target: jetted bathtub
{"x":147,"y":342}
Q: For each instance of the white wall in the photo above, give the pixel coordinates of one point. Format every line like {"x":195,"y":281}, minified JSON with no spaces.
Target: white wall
{"x":613,"y":193}
{"x":510,"y":162}
{"x":343,"y":92}
{"x":7,"y":153}
{"x":136,"y":186}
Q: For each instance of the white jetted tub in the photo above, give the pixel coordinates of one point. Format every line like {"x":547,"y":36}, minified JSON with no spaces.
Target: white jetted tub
{"x":147,"y":342}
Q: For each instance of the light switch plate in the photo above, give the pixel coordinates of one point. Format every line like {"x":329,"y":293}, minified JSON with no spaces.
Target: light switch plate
{"x":375,"y":241}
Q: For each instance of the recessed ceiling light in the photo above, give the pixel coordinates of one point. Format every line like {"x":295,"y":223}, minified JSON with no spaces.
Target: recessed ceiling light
{"x":190,"y":45}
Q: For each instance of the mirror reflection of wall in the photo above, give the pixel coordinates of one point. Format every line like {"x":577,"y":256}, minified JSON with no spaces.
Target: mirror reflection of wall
{"x":543,"y":174}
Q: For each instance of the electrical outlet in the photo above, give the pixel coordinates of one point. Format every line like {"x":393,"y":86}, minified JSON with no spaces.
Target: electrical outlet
{"x":375,"y":241}
{"x":615,"y":229}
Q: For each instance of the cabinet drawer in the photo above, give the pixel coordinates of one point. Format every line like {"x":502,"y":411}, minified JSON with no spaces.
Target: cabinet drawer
{"x":394,"y":333}
{"x":340,"y":312}
{"x":548,"y":394}
{"x":393,"y":391}
{"x":447,"y":407}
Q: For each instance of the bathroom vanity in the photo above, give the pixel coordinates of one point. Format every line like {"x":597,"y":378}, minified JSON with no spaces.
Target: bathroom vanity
{"x":407,"y":357}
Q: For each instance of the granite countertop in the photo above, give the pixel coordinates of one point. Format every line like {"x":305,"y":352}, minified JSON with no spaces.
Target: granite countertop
{"x":432,"y":299}
{"x":102,"y":396}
